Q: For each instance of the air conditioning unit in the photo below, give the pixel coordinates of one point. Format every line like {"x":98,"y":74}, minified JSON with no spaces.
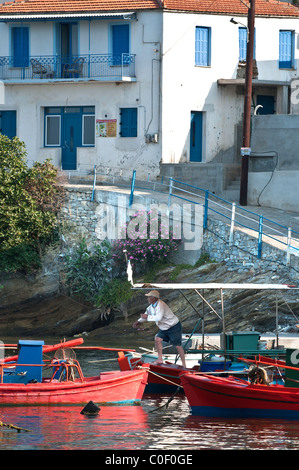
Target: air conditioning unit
{"x":153,"y":138}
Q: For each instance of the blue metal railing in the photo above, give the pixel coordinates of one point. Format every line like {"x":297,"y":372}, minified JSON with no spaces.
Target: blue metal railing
{"x":85,"y":66}
{"x":237,"y":217}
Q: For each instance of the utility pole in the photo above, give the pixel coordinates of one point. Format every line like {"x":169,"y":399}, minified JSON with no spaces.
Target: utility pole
{"x":247,"y":103}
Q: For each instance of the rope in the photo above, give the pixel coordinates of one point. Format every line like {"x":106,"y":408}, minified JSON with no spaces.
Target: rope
{"x":11,"y":426}
{"x":166,"y":380}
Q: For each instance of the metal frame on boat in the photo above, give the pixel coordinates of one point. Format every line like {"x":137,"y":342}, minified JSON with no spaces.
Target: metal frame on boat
{"x":166,"y":377}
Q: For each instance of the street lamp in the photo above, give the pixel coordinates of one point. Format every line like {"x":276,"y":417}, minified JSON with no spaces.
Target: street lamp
{"x":232,"y":20}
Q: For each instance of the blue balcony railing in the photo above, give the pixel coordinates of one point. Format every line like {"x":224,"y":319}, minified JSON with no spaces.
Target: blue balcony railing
{"x":95,"y":66}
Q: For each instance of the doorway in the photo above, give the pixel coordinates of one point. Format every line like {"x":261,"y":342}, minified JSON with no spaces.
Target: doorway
{"x":196,"y":136}
{"x":71,"y":139}
{"x":66,"y":40}
{"x":267,"y":102}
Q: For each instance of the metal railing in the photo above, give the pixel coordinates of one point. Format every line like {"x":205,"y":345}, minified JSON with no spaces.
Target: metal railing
{"x":84,"y":66}
{"x":236,"y":217}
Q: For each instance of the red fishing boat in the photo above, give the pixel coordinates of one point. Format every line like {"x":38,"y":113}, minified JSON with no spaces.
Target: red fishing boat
{"x":232,"y":397}
{"x":165,"y":378}
{"x":23,"y":382}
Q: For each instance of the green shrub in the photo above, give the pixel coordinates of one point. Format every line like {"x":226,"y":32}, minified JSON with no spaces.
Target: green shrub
{"x":113,"y":293}
{"x":20,"y":258}
{"x":86,"y":270}
{"x":30,"y":199}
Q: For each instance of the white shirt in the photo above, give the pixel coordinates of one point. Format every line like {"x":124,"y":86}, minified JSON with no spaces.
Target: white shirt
{"x":161,"y":314}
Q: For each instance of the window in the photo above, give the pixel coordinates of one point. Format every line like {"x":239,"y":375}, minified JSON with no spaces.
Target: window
{"x":286,"y":49}
{"x":128,"y":122}
{"x":88,"y":130}
{"x":8,"y":123}
{"x":20,"y":46}
{"x":58,"y":119}
{"x":243,"y":34}
{"x":53,"y":130}
{"x":202,"y":46}
{"x":242,"y":43}
{"x":120,"y":43}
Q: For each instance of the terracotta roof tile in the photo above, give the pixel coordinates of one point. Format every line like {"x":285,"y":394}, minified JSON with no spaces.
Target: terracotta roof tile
{"x":234,"y":7}
{"x":230,"y":7}
{"x":46,"y":6}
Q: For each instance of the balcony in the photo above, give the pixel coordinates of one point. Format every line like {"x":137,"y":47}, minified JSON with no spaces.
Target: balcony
{"x":102,"y":67}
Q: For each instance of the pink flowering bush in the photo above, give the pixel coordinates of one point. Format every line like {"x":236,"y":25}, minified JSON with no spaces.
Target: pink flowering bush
{"x":147,"y":239}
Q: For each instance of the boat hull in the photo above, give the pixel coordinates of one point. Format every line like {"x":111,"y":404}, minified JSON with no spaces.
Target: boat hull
{"x":113,"y":387}
{"x":165,"y":378}
{"x":228,"y":397}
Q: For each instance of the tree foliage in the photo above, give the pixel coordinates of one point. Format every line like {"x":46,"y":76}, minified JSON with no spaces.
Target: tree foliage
{"x":30,"y":197}
{"x":86,"y":270}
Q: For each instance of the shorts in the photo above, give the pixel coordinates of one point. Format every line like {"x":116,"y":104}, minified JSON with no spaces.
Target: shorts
{"x":173,"y":335}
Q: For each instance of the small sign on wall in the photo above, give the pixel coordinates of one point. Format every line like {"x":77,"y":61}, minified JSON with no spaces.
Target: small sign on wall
{"x":106,"y":127}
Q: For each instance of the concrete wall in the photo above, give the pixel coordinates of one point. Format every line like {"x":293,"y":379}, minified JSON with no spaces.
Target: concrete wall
{"x":274,"y":164}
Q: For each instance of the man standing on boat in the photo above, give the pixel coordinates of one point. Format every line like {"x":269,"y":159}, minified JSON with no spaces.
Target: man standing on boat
{"x":170,"y":328}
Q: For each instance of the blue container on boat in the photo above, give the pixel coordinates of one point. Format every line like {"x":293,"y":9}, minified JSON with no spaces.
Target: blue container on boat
{"x":211,"y":366}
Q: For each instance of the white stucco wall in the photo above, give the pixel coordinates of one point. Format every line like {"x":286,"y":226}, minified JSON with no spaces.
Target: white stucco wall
{"x":29,"y":100}
{"x":189,"y":88}
{"x":168,"y":88}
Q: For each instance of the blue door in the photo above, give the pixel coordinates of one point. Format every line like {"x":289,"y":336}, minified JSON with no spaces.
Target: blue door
{"x":71,"y":139}
{"x":196,"y":137}
{"x":267,"y":102}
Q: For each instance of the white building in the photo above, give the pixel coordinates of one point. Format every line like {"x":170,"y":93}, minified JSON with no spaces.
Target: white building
{"x":133,"y":84}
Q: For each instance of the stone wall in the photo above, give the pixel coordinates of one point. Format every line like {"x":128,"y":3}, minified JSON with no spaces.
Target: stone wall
{"x":241,"y":253}
{"x":80,"y":219}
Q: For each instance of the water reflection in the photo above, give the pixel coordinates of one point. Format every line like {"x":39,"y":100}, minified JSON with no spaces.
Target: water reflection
{"x":63,"y":427}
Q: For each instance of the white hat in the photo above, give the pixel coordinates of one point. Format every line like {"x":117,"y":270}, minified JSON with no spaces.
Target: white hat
{"x":153,"y":293}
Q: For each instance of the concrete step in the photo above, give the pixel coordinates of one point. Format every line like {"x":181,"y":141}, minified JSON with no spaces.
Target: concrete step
{"x":231,"y":195}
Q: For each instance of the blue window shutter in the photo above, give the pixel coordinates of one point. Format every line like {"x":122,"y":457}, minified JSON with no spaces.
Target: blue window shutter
{"x":242,"y":43}
{"x":128,"y":122}
{"x":20,"y":47}
{"x":8,"y":123}
{"x":120,"y":42}
{"x":286,"y":49}
{"x":202,"y":46}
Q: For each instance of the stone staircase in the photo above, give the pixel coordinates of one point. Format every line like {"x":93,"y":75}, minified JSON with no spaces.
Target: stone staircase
{"x":220,"y":179}
{"x":232,"y":191}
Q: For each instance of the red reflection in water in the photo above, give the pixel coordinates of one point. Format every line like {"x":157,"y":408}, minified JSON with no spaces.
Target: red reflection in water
{"x":64,"y":427}
{"x":251,"y":434}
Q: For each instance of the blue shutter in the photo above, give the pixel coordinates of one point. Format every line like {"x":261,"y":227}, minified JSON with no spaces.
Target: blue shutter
{"x":129,"y":122}
{"x":120,"y":42}
{"x":20,"y":47}
{"x":8,"y":123}
{"x":285,"y":49}
{"x":242,"y":43}
{"x":202,"y":46}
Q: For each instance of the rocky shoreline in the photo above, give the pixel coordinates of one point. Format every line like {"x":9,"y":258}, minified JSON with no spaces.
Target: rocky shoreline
{"x":57,"y":315}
